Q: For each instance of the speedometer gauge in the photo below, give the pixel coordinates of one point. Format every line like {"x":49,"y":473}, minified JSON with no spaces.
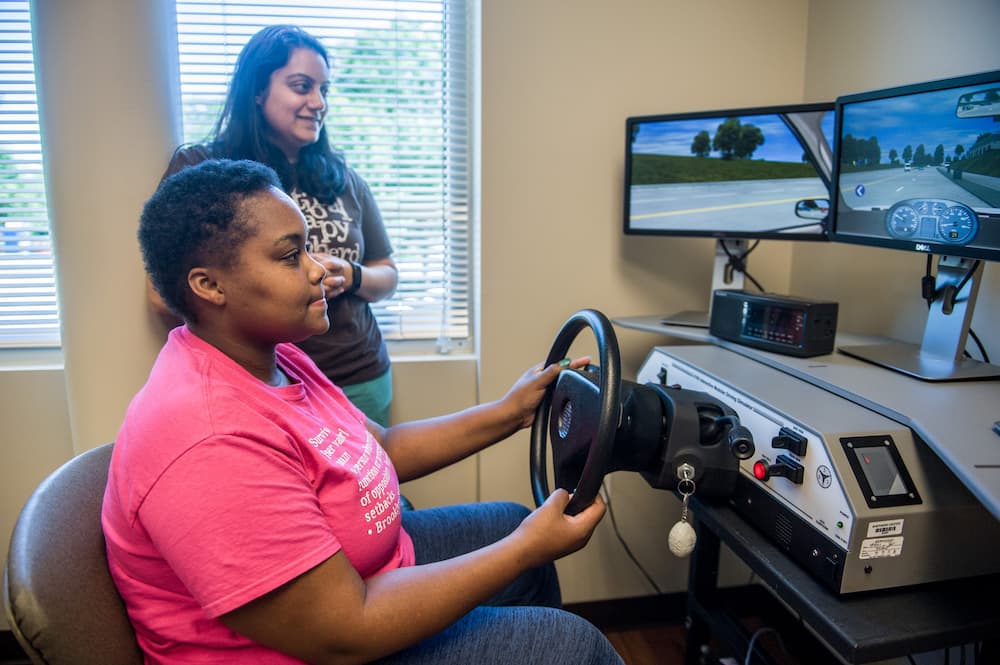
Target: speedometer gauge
{"x":958,"y":225}
{"x":903,"y":221}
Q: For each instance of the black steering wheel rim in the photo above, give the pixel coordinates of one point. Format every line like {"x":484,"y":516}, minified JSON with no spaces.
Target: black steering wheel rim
{"x":609,"y":387}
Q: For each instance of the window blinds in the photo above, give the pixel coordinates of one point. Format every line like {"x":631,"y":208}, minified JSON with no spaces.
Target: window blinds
{"x":29,"y":315}
{"x":398,"y":110}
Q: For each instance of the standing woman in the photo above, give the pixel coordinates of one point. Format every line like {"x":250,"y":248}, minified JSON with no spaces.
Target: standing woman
{"x":274,"y":114}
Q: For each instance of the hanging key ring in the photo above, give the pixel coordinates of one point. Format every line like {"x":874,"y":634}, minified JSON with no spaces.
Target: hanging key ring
{"x":682,"y":536}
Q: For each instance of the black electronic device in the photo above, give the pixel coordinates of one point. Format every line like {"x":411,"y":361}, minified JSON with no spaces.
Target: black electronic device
{"x":917,"y":168}
{"x":782,"y":324}
{"x":733,"y":175}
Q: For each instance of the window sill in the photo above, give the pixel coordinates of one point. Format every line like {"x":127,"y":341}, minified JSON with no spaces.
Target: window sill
{"x":399,"y":359}
{"x":22,"y":360}
{"x":424,"y":350}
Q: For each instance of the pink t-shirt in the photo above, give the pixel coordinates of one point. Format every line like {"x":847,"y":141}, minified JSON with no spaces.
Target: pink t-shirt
{"x":223,"y":488}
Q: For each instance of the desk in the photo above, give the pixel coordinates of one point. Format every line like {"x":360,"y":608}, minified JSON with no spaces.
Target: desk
{"x":858,"y":628}
{"x":954,"y":420}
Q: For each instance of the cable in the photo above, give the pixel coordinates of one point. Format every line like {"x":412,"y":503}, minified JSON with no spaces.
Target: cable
{"x":739,"y":264}
{"x":628,"y":550}
{"x":929,"y":291}
{"x":753,"y":639}
{"x":968,"y":276}
{"x":982,"y":349}
{"x":928,"y":288}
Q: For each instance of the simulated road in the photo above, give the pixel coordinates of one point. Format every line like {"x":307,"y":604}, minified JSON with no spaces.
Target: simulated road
{"x":745,"y":206}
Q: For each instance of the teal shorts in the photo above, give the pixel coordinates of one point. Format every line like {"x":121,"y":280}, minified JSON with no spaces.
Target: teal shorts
{"x":373,"y":397}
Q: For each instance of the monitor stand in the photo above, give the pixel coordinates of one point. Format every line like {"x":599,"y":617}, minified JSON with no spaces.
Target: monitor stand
{"x":940,"y":357}
{"x":698,"y":319}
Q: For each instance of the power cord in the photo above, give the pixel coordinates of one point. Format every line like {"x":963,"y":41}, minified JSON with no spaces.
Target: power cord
{"x":628,"y":550}
{"x":753,"y":640}
{"x":738,"y":263}
{"x":982,"y":350}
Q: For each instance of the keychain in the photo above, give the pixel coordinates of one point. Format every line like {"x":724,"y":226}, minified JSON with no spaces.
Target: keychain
{"x":682,"y":536}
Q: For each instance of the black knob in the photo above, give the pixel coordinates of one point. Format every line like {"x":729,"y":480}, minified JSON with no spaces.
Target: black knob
{"x":741,"y":442}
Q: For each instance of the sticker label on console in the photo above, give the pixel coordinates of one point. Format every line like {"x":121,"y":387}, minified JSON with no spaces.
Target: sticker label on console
{"x":881,"y":548}
{"x":885,"y":528}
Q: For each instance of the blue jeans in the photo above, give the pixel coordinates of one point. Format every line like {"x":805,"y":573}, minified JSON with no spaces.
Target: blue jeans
{"x":522,"y":625}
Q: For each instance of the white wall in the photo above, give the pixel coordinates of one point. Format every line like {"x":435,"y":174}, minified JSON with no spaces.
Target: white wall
{"x":559,"y":78}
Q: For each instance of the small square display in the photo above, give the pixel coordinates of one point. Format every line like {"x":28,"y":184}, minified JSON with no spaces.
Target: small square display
{"x":880,"y":471}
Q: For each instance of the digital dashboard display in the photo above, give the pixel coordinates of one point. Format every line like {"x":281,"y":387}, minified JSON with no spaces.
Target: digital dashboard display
{"x":918,"y":167}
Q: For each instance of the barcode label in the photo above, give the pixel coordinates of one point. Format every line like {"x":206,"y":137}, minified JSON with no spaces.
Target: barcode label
{"x":885,"y":528}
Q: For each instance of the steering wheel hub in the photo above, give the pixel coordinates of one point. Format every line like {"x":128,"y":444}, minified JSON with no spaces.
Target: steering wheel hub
{"x":565,"y":419}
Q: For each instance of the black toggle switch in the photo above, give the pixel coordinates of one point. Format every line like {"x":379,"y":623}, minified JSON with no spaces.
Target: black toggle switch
{"x":783,"y":467}
{"x":791,"y":441}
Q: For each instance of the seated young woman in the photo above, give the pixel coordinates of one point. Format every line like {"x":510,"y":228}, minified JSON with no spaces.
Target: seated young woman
{"x":252,"y":512}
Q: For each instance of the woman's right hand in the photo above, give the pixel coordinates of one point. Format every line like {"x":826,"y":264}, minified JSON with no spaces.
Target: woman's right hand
{"x":335,"y":282}
{"x":550,"y":533}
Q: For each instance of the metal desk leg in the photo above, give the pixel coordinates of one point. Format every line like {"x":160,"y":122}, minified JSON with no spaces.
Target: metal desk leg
{"x":703,"y":578}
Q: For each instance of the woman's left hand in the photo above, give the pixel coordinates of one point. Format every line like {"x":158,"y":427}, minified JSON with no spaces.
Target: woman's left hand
{"x":527,"y":392}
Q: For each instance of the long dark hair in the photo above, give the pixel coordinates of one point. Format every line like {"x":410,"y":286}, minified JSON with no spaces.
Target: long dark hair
{"x":241,"y":130}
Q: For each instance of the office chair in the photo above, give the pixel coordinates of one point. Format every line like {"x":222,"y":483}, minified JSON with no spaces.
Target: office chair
{"x":59,"y":598}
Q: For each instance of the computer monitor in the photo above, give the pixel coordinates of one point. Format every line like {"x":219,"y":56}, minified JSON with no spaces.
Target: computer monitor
{"x":734,"y":175}
{"x":917,"y":168}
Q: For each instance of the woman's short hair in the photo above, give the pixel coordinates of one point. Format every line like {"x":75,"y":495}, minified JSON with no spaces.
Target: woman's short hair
{"x":195,"y":219}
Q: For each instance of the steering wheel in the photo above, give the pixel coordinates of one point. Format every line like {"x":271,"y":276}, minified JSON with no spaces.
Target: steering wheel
{"x":587,"y":413}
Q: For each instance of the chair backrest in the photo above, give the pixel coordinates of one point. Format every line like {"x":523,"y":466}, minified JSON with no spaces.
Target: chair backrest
{"x":60,"y":600}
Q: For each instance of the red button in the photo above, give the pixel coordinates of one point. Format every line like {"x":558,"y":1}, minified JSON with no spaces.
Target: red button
{"x":760,"y":470}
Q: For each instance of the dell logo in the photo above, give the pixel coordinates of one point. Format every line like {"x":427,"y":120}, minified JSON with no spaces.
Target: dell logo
{"x":922,"y":247}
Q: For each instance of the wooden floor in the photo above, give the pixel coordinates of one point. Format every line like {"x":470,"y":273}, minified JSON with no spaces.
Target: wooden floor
{"x":650,"y":645}
{"x":644,"y":631}
{"x":650,"y":631}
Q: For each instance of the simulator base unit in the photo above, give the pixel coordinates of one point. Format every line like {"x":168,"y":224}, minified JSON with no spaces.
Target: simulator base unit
{"x":854,"y":497}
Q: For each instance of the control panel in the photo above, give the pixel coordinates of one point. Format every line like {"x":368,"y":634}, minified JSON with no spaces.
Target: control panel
{"x":854,"y":497}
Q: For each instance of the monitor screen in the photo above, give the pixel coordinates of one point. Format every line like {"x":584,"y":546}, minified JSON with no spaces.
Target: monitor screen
{"x":746,"y":173}
{"x":918,"y":167}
